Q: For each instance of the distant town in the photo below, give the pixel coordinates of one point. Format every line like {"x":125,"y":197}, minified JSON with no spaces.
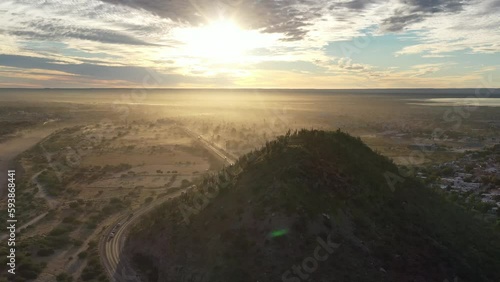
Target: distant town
{"x":473,"y":179}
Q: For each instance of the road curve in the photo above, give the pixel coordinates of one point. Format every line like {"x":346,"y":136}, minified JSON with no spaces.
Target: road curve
{"x":110,"y":249}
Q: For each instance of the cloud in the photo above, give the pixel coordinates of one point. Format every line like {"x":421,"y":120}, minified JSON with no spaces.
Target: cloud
{"x":414,"y":11}
{"x":353,"y":5}
{"x":425,"y":69}
{"x":121,"y":39}
{"x":104,"y":36}
{"x":474,"y":28}
{"x":495,"y":4}
{"x":99,"y":72}
{"x":397,"y":23}
{"x":54,"y":30}
{"x":299,"y":66}
{"x":89,"y":75}
{"x":347,"y":64}
{"x":92,"y":20}
{"x":288,"y":17}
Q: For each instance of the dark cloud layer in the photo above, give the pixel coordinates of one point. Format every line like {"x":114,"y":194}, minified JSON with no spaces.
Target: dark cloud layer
{"x":415,"y":11}
{"x":400,"y":20}
{"x":358,"y":5}
{"x":288,"y":17}
{"x":55,"y":30}
{"x":99,"y":72}
{"x":410,"y":11}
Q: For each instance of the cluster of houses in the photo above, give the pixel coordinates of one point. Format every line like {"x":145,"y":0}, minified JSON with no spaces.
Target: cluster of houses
{"x":479,"y":175}
{"x":458,"y":183}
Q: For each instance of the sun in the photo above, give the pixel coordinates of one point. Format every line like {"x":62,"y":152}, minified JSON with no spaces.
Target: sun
{"x":221,"y":40}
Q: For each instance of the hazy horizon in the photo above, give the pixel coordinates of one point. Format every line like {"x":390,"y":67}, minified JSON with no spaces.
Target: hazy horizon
{"x":250,"y":44}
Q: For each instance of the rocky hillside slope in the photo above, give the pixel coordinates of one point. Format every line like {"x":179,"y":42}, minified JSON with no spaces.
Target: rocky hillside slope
{"x":313,"y":206}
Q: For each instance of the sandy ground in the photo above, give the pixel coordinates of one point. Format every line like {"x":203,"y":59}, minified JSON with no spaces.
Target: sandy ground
{"x":159,"y":161}
{"x":10,"y":148}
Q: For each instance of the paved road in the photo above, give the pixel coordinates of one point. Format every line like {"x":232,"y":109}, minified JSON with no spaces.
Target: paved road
{"x":226,"y":156}
{"x":110,"y":249}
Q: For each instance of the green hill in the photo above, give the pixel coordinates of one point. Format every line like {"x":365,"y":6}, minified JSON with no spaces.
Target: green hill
{"x":313,"y":206}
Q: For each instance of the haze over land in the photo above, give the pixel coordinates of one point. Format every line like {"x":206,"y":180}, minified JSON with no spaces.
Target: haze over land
{"x":107,"y":160}
{"x":248,"y":140}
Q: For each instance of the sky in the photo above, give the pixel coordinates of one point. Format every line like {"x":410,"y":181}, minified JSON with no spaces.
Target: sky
{"x":250,"y":43}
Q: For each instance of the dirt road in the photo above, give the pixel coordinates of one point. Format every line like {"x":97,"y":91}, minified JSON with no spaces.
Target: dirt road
{"x":12,"y":147}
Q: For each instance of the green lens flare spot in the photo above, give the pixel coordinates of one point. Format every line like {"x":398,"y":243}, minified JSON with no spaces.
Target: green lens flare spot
{"x":278,"y":233}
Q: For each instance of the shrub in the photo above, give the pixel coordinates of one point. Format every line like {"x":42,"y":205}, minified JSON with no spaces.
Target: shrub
{"x":45,"y":252}
{"x":82,"y":255}
{"x":64,"y":277}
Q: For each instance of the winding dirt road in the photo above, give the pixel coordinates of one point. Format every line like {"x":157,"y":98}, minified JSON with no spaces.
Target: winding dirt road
{"x":11,"y":148}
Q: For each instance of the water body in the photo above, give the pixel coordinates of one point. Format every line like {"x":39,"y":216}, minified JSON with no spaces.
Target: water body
{"x":469,"y":102}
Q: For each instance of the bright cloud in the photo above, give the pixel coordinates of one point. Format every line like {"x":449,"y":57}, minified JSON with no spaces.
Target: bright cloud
{"x":249,"y":43}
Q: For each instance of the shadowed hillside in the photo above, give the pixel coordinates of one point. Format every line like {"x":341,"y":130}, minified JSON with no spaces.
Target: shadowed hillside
{"x":313,"y":206}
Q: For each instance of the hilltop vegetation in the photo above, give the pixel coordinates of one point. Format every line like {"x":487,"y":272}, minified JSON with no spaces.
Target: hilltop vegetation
{"x":266,"y":217}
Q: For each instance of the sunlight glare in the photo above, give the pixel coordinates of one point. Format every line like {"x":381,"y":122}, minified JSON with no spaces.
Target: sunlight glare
{"x":221,"y":41}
